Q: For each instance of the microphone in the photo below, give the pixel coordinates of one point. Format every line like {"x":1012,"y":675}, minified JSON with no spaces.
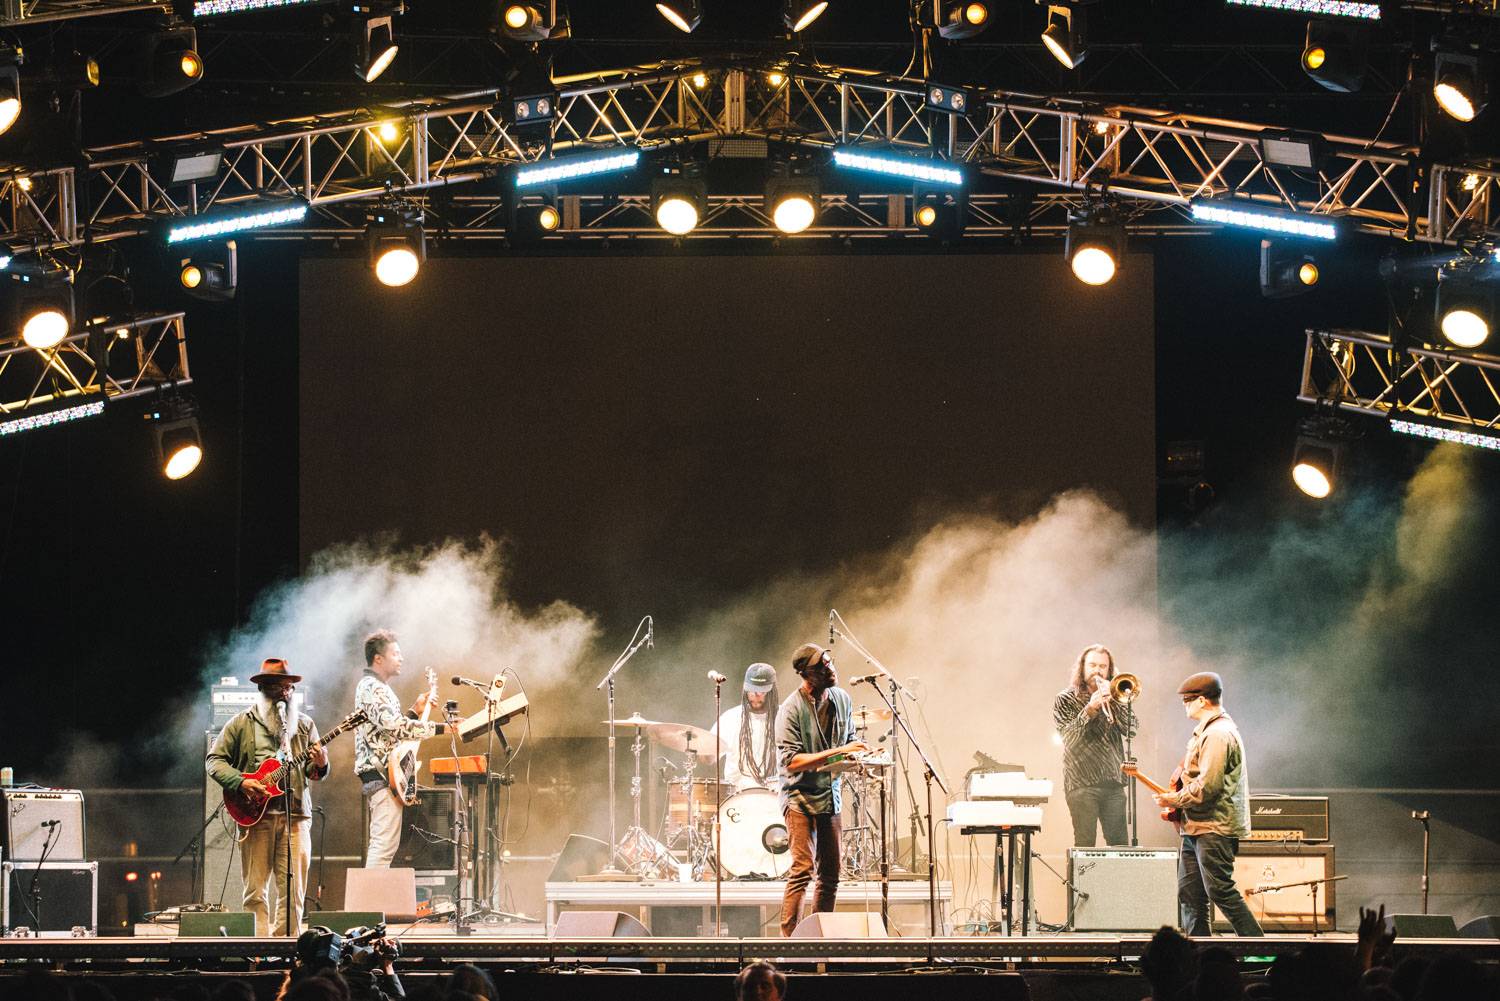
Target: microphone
{"x":716,"y":677}
{"x":1422,"y":815}
{"x":871,"y":678}
{"x":650,"y":633}
{"x":50,"y":823}
{"x":832,"y":633}
{"x":470,"y":682}
{"x":281,"y":708}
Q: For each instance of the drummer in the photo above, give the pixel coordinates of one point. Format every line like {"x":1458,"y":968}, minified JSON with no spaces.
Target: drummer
{"x":750,"y":751}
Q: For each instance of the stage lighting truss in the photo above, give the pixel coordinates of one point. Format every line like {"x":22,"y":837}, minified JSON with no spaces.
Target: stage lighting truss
{"x":397,"y":244}
{"x":1453,"y":393}
{"x":1157,"y":163}
{"x":109,"y":360}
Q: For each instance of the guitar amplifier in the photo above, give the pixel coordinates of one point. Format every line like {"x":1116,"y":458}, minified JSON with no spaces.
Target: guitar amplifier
{"x":1122,"y":889}
{"x":65,"y":896}
{"x":1291,"y":910}
{"x":32,"y":816}
{"x":1288,"y":818}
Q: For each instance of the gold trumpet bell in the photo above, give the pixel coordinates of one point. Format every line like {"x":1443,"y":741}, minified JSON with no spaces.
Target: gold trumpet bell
{"x":1125,"y":688}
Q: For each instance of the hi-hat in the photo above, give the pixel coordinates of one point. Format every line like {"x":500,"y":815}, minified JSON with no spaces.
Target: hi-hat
{"x":634,"y":720}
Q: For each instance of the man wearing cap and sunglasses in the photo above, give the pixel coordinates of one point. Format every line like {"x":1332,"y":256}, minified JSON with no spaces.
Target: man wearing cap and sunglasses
{"x":814,"y":728}
{"x":745,"y":732}
{"x":270,"y":726}
{"x":1215,"y":805}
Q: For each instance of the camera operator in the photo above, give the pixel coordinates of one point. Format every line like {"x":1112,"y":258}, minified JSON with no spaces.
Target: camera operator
{"x":365,"y":959}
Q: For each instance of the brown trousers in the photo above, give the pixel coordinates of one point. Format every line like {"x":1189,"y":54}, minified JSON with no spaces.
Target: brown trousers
{"x":807,"y":833}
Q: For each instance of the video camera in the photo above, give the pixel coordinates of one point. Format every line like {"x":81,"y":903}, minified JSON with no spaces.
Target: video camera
{"x":321,"y":947}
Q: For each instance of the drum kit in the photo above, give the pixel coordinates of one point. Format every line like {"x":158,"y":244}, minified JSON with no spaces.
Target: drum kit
{"x":754,"y":840}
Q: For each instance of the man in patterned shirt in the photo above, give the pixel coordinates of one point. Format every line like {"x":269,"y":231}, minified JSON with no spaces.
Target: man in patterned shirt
{"x":1093,"y":736}
{"x":373,"y":742}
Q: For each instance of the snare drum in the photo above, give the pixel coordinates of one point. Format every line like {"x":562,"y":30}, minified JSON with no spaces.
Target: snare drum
{"x":703,"y":802}
{"x":754,"y":840}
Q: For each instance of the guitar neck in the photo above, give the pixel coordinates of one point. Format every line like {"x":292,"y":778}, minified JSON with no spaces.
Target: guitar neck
{"x":1143,"y":780}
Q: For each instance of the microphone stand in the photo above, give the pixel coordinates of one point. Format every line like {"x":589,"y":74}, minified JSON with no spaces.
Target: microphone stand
{"x":610,"y":870}
{"x":929,"y":776}
{"x":460,"y":832}
{"x":1424,"y":817}
{"x":1311,"y":884}
{"x":719,"y":805}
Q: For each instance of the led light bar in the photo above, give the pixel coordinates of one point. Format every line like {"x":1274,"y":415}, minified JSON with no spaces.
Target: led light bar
{"x":575,"y":167}
{"x":1265,"y":221}
{"x":4,"y":261}
{"x":1453,"y":435}
{"x":30,"y":422}
{"x":223,"y":225}
{"x":932,"y":171}
{"x":1316,"y":8}
{"x":215,"y":8}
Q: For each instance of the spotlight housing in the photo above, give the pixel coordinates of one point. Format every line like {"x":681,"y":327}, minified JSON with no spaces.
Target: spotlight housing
{"x":1286,"y":271}
{"x":536,"y":21}
{"x":397,"y":244}
{"x":956,"y":19}
{"x":1315,"y":463}
{"x":793,"y":202}
{"x":179,"y":440}
{"x":10,"y":87}
{"x":375,"y":46}
{"x":1336,"y":55}
{"x":43,"y":308}
{"x":1066,"y":34}
{"x":684,"y":15}
{"x":533,"y":222}
{"x":1464,"y":307}
{"x":798,"y":15}
{"x":1095,"y":245}
{"x":940,"y":213}
{"x":678,"y":203}
{"x":1458,"y":81}
{"x":172,"y":62}
{"x":211,"y":273}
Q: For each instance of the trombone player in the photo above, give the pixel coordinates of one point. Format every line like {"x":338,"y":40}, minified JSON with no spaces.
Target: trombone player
{"x":1093,"y":718}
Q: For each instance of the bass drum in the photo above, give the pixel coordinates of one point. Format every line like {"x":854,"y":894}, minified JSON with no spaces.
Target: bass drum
{"x":754,"y":836}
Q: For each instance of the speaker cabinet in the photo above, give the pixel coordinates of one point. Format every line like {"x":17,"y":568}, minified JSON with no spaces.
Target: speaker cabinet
{"x":580,"y":856}
{"x":1122,"y":889}
{"x":1261,"y":865}
{"x":22,"y":836}
{"x":221,"y":879}
{"x":1487,"y":926}
{"x":599,"y":924}
{"x":433,"y":812}
{"x":1409,"y":926}
{"x":68,"y":895}
{"x":217,"y":924}
{"x":841,"y":924}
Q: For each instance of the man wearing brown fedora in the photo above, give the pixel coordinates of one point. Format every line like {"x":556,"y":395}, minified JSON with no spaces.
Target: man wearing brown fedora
{"x":272,"y":846}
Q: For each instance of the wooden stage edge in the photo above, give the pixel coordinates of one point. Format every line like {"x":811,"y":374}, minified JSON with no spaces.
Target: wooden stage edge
{"x":436,"y":947}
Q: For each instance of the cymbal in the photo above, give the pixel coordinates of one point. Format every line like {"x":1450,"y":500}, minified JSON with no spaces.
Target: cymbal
{"x":864,"y":712}
{"x":634,"y":720}
{"x":677,"y":736}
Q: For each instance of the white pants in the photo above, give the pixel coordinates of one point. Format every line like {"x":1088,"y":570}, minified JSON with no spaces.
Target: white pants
{"x":385,"y":828}
{"x":263,"y":858}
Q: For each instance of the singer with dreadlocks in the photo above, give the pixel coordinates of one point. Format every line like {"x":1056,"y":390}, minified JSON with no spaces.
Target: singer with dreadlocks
{"x":748,"y":744}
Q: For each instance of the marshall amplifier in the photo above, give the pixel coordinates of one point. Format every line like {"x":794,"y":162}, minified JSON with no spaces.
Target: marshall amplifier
{"x":1288,"y":818}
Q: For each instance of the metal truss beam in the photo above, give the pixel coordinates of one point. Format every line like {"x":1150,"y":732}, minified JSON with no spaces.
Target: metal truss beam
{"x":112,"y":360}
{"x":14,"y":13}
{"x":1361,"y":373}
{"x":1149,"y":160}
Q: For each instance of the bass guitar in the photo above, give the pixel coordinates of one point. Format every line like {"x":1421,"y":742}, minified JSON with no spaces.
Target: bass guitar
{"x":1172,"y":814}
{"x":401,"y":766}
{"x":247,"y":809}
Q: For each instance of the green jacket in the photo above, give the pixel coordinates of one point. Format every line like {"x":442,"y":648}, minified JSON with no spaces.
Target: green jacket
{"x":246,"y":741}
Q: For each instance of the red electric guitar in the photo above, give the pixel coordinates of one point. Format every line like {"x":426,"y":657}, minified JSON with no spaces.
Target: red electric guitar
{"x":247,"y":809}
{"x":1171,"y":815}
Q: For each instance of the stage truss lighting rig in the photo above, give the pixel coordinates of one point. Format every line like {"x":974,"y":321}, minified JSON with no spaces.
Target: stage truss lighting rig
{"x":177,"y":436}
{"x":684,"y":15}
{"x":1464,"y":304}
{"x":172,"y":62}
{"x":397,"y":244}
{"x":537,"y":21}
{"x":1095,"y":245}
{"x":375,"y":45}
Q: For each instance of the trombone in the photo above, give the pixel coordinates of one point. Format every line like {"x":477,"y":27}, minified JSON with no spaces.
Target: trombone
{"x":1125,"y":688}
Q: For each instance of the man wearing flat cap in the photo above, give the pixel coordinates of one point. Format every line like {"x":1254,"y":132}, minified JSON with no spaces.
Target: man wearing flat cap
{"x":272,"y":845}
{"x":1215,"y":805}
{"x":744,"y":732}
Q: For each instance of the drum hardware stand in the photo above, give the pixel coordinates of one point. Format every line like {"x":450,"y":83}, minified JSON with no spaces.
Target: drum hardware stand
{"x":610,"y":870}
{"x":1312,"y":884}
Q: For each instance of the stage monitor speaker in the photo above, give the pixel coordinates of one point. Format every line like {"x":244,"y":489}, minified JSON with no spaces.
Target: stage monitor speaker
{"x":841,"y":924}
{"x":390,"y":891}
{"x":22,"y":836}
{"x":580,"y":856}
{"x":1487,"y":926}
{"x":1122,"y":889}
{"x":220,"y":875}
{"x":598,"y":924}
{"x":1290,"y":910}
{"x":433,"y":812}
{"x":1410,"y":926}
{"x":342,"y":921}
{"x":53,"y":899}
{"x":217,"y":924}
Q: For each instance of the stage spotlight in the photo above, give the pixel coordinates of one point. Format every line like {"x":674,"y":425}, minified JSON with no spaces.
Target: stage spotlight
{"x":530,"y":224}
{"x":172,"y":62}
{"x":678,"y":203}
{"x":1095,"y":245}
{"x":44,"y":308}
{"x":1464,"y":307}
{"x":938,"y":213}
{"x":684,"y":15}
{"x":1315,"y":465}
{"x":211,"y":274}
{"x":1458,"y":83}
{"x":799,"y":14}
{"x":1065,"y":34}
{"x":179,"y":441}
{"x":956,"y":19}
{"x":374,"y":46}
{"x":533,"y":22}
{"x":10,"y":87}
{"x":397,"y":245}
{"x":1336,"y":55}
{"x":792,"y":202}
{"x":1285,"y":271}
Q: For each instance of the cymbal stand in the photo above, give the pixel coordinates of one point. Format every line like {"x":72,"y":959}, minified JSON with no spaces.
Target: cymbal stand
{"x":609,"y":680}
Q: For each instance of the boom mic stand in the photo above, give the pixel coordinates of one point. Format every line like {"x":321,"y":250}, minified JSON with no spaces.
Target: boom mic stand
{"x":460,"y":833}
{"x":719,"y":680}
{"x":610,"y":870}
{"x":1424,"y":817}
